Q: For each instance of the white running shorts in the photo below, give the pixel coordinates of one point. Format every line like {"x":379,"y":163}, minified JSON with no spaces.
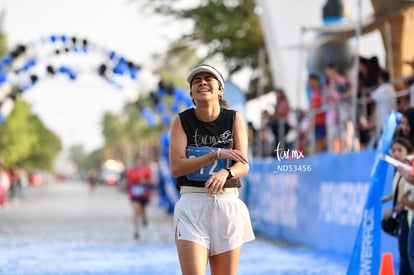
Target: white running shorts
{"x":220,"y":223}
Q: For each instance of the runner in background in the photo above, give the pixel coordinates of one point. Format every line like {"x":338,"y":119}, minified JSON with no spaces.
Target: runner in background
{"x":138,"y":179}
{"x":92,"y":179}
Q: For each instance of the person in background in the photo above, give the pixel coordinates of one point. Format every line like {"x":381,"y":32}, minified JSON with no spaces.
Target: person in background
{"x":252,"y":134}
{"x":304,"y":120}
{"x":266,"y":137}
{"x":385,"y":101}
{"x":4,"y":183}
{"x":317,"y":101}
{"x":208,"y":155}
{"x":92,"y":179}
{"x":373,"y":71}
{"x":365,"y":109}
{"x":400,"y":150}
{"x":404,"y":203}
{"x":332,"y":99}
{"x":410,"y":81}
{"x":406,"y":128}
{"x":341,"y":83}
{"x":278,"y":121}
{"x":16,"y":185}
{"x":138,"y":179}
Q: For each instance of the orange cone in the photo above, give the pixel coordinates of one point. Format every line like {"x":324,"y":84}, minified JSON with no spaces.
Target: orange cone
{"x":387,"y":266}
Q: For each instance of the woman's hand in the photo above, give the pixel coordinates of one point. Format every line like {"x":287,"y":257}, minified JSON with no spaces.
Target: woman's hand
{"x":234,"y":155}
{"x":216,"y":182}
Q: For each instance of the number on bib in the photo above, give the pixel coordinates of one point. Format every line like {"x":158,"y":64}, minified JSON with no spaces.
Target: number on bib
{"x":205,"y":173}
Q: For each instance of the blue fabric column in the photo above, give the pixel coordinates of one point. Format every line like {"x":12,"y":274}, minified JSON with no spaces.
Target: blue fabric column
{"x":365,"y":258}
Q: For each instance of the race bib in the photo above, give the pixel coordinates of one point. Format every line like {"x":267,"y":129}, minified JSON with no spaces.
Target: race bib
{"x":205,"y":173}
{"x":138,"y":190}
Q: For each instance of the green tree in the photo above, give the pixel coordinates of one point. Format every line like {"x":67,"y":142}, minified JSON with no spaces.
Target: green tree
{"x":16,"y":134}
{"x":85,"y":161}
{"x":174,"y":64}
{"x":3,"y":37}
{"x":126,"y":133}
{"x":25,"y":141}
{"x":113,"y":130}
{"x":94,"y":159}
{"x":46,"y":147}
{"x":230,"y":30}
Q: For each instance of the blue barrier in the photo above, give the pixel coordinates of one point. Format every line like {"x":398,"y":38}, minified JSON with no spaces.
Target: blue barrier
{"x":315,"y":201}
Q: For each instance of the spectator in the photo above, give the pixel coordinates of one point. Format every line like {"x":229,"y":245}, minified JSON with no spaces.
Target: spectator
{"x":4,"y":183}
{"x":400,"y":150}
{"x":252,"y":138}
{"x":373,"y":70}
{"x":408,"y":203}
{"x":266,"y":136}
{"x":344,"y":88}
{"x":385,"y":101}
{"x":332,"y":99}
{"x":406,"y":129}
{"x":317,"y":102}
{"x":410,"y":82}
{"x":365,"y":108}
{"x":278,"y":121}
{"x":303,"y":129}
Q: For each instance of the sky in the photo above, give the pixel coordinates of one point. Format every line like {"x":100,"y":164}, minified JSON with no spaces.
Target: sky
{"x":74,"y":109}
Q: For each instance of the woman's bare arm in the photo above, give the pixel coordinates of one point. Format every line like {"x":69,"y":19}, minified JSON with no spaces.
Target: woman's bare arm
{"x":180,"y":165}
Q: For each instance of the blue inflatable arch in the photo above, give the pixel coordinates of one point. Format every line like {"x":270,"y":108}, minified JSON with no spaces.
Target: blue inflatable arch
{"x":17,"y":77}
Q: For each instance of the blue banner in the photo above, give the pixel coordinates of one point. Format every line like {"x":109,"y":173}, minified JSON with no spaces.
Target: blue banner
{"x":314,"y":201}
{"x":365,"y":258}
{"x":235,"y":97}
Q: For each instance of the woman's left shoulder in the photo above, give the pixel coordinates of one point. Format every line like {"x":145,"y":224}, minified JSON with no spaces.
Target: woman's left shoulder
{"x":229,"y":112}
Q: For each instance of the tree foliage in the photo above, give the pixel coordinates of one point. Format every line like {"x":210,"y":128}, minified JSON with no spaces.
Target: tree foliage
{"x":127,"y":129}
{"x":174,"y":63}
{"x":124,"y":134}
{"x":25,"y":141}
{"x":229,"y":29}
{"x":3,"y":37}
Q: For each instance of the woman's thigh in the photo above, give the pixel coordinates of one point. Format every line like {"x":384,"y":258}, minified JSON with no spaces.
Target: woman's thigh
{"x":193,"y":257}
{"x":225,"y":263}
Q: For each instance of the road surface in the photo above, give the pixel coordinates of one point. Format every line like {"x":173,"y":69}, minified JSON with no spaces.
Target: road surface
{"x":62,"y":228}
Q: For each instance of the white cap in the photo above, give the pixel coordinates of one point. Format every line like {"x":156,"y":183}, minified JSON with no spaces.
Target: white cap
{"x":204,"y":68}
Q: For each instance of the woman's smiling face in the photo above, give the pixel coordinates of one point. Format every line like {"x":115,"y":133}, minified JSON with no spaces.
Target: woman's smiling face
{"x":205,"y":86}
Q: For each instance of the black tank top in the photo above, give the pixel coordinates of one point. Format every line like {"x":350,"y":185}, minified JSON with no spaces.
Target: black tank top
{"x":204,"y":137}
